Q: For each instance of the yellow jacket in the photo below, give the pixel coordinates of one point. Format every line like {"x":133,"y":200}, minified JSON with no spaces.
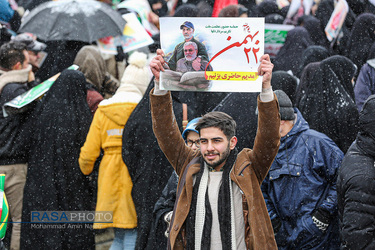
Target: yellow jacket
{"x":114,"y":184}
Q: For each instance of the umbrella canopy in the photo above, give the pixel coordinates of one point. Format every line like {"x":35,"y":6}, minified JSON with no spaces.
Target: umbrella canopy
{"x":78,"y":20}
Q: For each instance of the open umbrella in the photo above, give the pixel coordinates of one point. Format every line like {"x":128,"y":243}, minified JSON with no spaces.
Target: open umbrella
{"x":78,"y":20}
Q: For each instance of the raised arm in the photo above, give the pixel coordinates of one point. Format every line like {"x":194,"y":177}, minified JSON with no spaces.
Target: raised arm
{"x":164,"y":121}
{"x":267,"y":139}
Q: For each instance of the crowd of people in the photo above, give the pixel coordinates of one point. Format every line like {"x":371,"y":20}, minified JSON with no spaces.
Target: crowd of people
{"x":291,"y":167}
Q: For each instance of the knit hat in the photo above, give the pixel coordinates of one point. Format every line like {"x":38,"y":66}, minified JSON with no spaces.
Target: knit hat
{"x":136,"y":75}
{"x":30,"y":42}
{"x":286,"y":106}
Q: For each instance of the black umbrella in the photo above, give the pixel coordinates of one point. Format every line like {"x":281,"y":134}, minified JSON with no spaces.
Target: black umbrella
{"x":78,"y":20}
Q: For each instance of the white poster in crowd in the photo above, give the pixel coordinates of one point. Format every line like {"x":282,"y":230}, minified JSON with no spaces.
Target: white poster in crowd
{"x":134,"y":37}
{"x":337,"y":19}
{"x":274,"y":37}
{"x":212,"y":54}
{"x":143,"y":10}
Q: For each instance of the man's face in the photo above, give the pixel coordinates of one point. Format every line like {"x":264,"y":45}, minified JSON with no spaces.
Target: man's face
{"x":190,"y":52}
{"x":33,"y":56}
{"x":26,"y":62}
{"x":187,"y":32}
{"x":215,"y":147}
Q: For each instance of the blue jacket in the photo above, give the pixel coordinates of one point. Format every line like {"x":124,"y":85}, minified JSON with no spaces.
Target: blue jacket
{"x":365,"y":84}
{"x":302,"y":179}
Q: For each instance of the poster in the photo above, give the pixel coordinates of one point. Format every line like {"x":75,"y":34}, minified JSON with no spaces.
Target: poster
{"x":225,"y":57}
{"x":143,"y":10}
{"x":134,"y":37}
{"x":337,"y":19}
{"x":274,"y":37}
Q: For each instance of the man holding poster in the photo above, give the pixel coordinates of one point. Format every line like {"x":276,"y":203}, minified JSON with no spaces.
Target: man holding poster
{"x":219,"y":201}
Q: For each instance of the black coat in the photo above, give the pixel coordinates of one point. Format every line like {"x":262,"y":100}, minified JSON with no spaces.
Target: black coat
{"x":54,"y":180}
{"x":14,"y":128}
{"x":163,"y":205}
{"x":356,"y":185}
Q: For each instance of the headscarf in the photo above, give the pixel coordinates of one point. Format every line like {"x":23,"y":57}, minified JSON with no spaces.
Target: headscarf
{"x":186,"y":10}
{"x":312,"y":25}
{"x":282,"y":80}
{"x":266,"y":7}
{"x":307,"y":77}
{"x":92,"y":65}
{"x":274,"y":18}
{"x":290,"y":55}
{"x":361,"y":39}
{"x":324,"y":12}
{"x":313,"y":53}
{"x":328,"y":104}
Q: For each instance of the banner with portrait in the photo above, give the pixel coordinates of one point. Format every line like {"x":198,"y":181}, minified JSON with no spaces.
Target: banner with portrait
{"x":212,"y":54}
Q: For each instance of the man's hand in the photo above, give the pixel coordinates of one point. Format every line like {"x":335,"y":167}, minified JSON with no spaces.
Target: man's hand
{"x":157,"y":63}
{"x":265,"y":70}
{"x":197,"y":63}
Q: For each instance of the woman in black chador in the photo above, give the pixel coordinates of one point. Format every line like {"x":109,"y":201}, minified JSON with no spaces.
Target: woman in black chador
{"x":54,"y":180}
{"x":327,"y":101}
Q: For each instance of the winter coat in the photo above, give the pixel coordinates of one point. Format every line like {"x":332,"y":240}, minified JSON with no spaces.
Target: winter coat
{"x":248,"y":172}
{"x":148,"y":167}
{"x":14,"y":128}
{"x":301,"y":180}
{"x":356,"y":185}
{"x":365,"y":84}
{"x":114,"y":184}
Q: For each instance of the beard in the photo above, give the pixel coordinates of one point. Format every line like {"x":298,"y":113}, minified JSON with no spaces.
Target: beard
{"x":187,"y":36}
{"x":189,"y":58}
{"x":221,"y":159}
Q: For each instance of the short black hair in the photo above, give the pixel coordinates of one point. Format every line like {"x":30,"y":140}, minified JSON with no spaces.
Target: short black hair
{"x":219,"y":120}
{"x":11,"y":53}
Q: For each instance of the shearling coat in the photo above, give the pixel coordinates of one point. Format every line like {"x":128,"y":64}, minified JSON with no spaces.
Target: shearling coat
{"x":248,"y":172}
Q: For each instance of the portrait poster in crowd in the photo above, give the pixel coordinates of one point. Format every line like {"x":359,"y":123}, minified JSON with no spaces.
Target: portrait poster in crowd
{"x":212,"y":54}
{"x":274,"y":37}
{"x":134,"y":37}
{"x":337,"y":19}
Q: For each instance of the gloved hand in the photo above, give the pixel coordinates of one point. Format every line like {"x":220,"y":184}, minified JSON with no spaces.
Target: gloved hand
{"x":321,"y":219}
{"x":120,"y":54}
{"x":167,"y":218}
